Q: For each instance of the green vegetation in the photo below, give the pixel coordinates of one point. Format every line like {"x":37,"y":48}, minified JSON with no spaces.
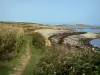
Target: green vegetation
{"x":13,"y":44}
{"x":57,"y":62}
{"x":7,"y":67}
{"x":38,"y":41}
{"x":43,"y":61}
{"x":37,"y":44}
{"x":11,"y":47}
{"x":10,"y":42}
{"x":34,"y":56}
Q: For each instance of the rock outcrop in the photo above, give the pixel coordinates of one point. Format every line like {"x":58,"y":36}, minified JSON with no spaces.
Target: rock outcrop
{"x":76,"y":39}
{"x":59,"y":37}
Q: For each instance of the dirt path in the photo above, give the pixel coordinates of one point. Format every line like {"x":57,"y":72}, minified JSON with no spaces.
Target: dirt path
{"x":23,"y":61}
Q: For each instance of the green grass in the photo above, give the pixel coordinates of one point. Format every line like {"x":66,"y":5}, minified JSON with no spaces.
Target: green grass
{"x":11,"y":64}
{"x":9,"y":67}
{"x":34,"y":56}
{"x":5,"y":70}
{"x":15,"y":60}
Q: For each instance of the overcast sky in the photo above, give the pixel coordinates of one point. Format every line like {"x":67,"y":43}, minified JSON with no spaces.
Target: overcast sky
{"x":51,"y":11}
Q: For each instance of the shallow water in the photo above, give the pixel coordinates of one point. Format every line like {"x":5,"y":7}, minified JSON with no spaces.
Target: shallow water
{"x":95,"y":42}
{"x":84,"y":28}
{"x":90,"y":30}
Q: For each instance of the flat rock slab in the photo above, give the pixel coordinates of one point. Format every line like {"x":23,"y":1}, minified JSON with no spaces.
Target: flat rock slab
{"x":89,"y":35}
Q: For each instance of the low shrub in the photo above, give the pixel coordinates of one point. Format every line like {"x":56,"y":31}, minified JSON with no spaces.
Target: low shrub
{"x":57,"y":62}
{"x":38,"y":40}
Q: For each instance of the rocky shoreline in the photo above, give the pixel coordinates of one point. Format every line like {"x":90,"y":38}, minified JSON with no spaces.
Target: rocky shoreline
{"x":78,"y":40}
{"x":71,"y":38}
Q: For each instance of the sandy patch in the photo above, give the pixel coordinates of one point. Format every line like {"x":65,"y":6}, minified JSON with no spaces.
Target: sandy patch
{"x":49,"y":32}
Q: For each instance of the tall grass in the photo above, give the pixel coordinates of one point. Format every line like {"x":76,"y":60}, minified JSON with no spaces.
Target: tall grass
{"x":10,"y":42}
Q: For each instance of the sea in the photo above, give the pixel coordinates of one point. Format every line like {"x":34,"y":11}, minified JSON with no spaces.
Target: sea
{"x":94,"y":29}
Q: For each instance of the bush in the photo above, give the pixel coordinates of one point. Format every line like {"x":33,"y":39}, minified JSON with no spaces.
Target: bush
{"x":57,"y":62}
{"x":38,"y":40}
{"x":10,"y":42}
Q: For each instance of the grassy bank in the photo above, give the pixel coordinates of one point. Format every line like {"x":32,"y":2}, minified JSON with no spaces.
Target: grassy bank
{"x":7,"y":67}
{"x":34,"y":57}
{"x":35,"y":51}
{"x":12,"y":46}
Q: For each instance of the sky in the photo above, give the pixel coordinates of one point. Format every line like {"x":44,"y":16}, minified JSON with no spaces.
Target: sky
{"x":51,"y":11}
